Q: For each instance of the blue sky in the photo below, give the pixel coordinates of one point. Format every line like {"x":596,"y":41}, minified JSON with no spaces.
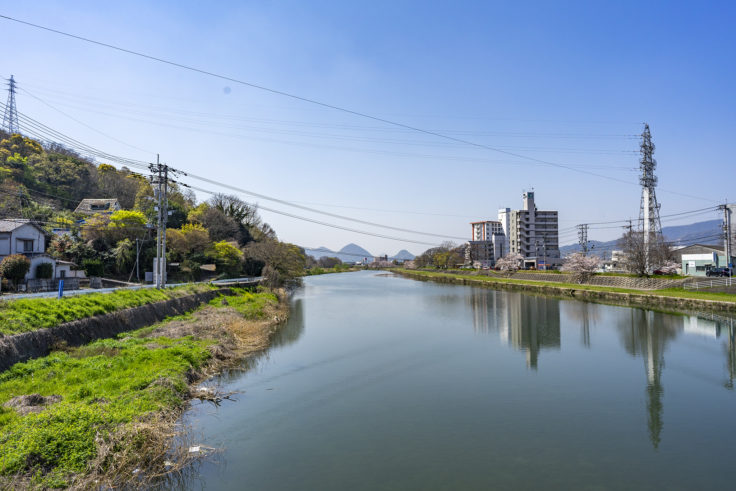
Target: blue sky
{"x":564,"y":82}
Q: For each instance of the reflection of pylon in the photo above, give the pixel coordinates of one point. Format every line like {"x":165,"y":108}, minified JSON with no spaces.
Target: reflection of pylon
{"x":10,"y":116}
{"x":651,"y":226}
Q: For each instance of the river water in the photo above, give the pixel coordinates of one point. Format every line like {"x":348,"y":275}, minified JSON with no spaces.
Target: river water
{"x":382,"y":382}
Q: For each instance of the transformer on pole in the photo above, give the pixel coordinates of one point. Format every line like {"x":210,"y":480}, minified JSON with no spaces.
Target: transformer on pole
{"x":10,"y":115}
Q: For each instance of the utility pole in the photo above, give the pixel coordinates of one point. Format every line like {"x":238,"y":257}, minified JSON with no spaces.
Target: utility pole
{"x":649,"y":209}
{"x":160,"y":179}
{"x":727,"y":234}
{"x":10,"y":116}
{"x":583,"y":237}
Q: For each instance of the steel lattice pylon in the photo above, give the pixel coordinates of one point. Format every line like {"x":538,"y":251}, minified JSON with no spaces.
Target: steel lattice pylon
{"x":649,"y":222}
{"x":10,"y":116}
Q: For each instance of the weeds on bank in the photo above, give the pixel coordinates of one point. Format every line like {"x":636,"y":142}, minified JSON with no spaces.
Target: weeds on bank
{"x":249,"y":304}
{"x":29,"y":314}
{"x":115,"y":401}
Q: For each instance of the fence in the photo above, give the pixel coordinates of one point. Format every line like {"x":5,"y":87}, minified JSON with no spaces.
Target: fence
{"x":699,"y":285}
{"x":51,"y":285}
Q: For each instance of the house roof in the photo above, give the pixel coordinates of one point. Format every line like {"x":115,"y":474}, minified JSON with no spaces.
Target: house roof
{"x":90,"y":205}
{"x":11,"y":224}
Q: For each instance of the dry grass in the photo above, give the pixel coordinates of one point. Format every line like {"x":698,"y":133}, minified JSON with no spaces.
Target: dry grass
{"x":153,"y":450}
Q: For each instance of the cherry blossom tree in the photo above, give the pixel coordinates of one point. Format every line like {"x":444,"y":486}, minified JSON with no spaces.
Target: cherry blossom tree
{"x":581,"y":266}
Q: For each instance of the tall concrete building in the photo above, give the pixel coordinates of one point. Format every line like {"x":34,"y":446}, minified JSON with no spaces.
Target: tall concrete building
{"x":532,"y":233}
{"x":488,"y":242}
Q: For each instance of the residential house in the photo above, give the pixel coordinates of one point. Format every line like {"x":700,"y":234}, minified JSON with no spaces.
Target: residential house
{"x":93,"y":206}
{"x":18,"y":236}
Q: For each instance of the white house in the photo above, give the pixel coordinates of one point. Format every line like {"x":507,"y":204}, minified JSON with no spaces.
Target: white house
{"x":19,"y":236}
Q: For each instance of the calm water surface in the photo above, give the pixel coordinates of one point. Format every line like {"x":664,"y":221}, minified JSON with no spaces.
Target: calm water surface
{"x":381,"y":382}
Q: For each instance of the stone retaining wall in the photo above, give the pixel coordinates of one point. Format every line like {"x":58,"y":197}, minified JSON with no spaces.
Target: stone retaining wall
{"x":617,"y":298}
{"x":627,"y":282}
{"x":34,"y":344}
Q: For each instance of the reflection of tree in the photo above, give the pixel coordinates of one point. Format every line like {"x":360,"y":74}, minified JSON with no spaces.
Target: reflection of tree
{"x":290,"y":332}
{"x":527,"y":323}
{"x":646,"y":335}
{"x":587,"y":313}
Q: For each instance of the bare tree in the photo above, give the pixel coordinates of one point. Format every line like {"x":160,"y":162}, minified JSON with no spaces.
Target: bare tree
{"x":581,"y":266}
{"x":635,"y":253}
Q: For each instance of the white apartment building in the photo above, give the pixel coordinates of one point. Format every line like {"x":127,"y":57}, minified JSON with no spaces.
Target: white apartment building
{"x":488,"y":242}
{"x":532,"y":233}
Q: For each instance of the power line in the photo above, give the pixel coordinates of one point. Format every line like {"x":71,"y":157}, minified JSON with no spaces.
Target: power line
{"x":316,"y":102}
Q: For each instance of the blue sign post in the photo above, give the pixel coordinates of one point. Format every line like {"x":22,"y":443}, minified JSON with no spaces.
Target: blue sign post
{"x":61,"y":288}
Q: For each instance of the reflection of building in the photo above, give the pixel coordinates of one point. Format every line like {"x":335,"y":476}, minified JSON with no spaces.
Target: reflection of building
{"x":527,"y":323}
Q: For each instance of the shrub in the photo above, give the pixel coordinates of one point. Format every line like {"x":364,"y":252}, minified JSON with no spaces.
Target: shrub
{"x":44,"y":271}
{"x":93,"y":267}
{"x":15,"y":267}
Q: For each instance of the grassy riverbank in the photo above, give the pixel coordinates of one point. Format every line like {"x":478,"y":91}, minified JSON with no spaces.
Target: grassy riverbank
{"x":104,"y":413}
{"x":340,"y":268}
{"x":679,"y":297}
{"x":29,"y":314}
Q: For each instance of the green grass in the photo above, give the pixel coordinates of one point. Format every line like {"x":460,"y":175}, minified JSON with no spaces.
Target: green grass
{"x":29,"y":314}
{"x":103,"y":385}
{"x":340,"y":268}
{"x":668,"y":292}
{"x":250,"y":305}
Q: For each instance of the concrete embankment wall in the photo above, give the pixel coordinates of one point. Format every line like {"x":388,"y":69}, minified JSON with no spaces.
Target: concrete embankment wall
{"x":617,"y":298}
{"x":34,"y":344}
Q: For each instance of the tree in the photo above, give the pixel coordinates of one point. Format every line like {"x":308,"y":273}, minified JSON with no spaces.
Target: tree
{"x":123,"y":224}
{"x":635,"y":252}
{"x":124,"y":255}
{"x":15,"y":267}
{"x":237,"y":209}
{"x":228,"y":257}
{"x":328,"y":262}
{"x":581,"y":266}
{"x":190,"y":238}
{"x":284,"y":262}
{"x":510,"y":263}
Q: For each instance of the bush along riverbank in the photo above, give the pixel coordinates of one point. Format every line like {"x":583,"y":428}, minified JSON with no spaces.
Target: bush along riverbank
{"x":670,"y":298}
{"x":105,"y":414}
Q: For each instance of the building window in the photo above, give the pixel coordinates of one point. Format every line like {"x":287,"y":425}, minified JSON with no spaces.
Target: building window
{"x":62,"y":274}
{"x":27,"y":245}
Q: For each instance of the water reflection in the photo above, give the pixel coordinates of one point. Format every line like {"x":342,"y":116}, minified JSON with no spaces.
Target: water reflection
{"x":525,"y":322}
{"x":294,"y":327}
{"x":532,"y":324}
{"x":588,"y":314}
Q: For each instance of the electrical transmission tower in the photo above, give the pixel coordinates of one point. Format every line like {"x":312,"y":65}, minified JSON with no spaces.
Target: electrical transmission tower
{"x":649,"y":221}
{"x":10,"y":116}
{"x":583,"y":237}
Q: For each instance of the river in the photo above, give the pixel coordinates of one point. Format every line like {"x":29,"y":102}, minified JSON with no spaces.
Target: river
{"x":382,"y":382}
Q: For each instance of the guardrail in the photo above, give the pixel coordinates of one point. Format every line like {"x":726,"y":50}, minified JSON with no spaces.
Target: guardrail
{"x":225,"y":282}
{"x":700,"y":285}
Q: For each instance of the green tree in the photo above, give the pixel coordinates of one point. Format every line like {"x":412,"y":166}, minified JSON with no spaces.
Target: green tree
{"x":227,"y":256}
{"x":15,"y":267}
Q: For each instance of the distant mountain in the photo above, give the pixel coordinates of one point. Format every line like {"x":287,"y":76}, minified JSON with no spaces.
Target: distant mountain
{"x":352,"y":253}
{"x":707,"y":232}
{"x":403,"y":255}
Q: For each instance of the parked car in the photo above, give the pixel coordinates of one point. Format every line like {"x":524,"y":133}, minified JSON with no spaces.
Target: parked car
{"x":718,"y":272}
